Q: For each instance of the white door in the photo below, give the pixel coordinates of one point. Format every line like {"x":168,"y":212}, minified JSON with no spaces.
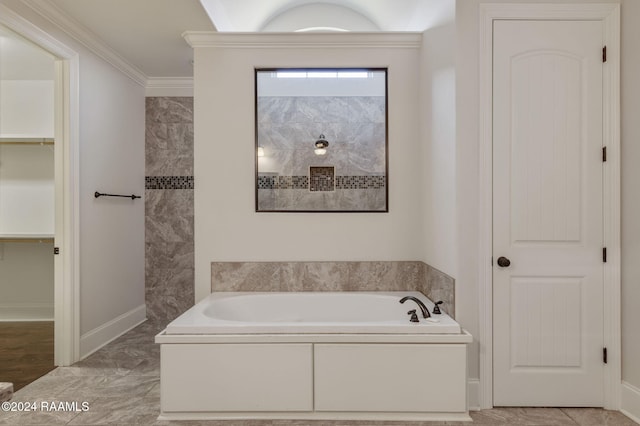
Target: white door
{"x":547,"y":213}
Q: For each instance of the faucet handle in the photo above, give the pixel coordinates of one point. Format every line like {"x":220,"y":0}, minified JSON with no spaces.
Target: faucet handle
{"x":414,"y":316}
{"x":436,"y":308}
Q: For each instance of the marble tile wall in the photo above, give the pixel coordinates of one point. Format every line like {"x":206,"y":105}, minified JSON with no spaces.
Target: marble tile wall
{"x":337,"y":200}
{"x":169,"y":260}
{"x":355,"y":128}
{"x":335,"y":276}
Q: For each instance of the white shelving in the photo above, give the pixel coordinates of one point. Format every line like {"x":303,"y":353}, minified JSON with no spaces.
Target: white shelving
{"x":24,"y":238}
{"x":27,"y":189}
{"x":27,"y":184}
{"x":27,"y":196}
{"x":25,"y":141}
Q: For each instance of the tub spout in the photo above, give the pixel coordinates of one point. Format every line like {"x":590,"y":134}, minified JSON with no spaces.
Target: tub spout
{"x":423,"y":308}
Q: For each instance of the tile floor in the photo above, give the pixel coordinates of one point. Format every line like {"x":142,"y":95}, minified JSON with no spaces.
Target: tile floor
{"x":122,"y":386}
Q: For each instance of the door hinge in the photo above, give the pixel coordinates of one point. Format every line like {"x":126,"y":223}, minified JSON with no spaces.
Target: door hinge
{"x":604,"y":355}
{"x":56,"y":250}
{"x":604,"y":154}
{"x":604,"y":54}
{"x":604,"y":254}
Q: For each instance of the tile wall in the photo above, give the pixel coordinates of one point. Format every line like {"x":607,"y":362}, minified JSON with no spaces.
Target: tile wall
{"x":169,"y":242}
{"x":169,"y":261}
{"x":355,"y":127}
{"x":335,"y":276}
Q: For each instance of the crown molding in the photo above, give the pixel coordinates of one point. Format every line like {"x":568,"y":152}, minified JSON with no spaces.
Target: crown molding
{"x":169,"y":86}
{"x":22,"y":26}
{"x":170,"y":82}
{"x":55,"y":15}
{"x":348,"y":40}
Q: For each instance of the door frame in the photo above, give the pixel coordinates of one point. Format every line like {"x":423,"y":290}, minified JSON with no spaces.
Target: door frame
{"x":66,"y":124}
{"x":609,"y":14}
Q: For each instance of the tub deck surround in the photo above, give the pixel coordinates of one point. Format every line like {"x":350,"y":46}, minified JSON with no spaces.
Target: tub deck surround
{"x":317,"y":355}
{"x":310,"y":312}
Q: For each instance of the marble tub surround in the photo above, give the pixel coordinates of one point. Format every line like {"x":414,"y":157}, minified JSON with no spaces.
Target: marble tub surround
{"x":121,"y":382}
{"x":169,"y":259}
{"x":335,"y":276}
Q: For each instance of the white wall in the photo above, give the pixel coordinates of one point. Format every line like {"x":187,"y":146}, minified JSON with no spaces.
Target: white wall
{"x":467,"y":127}
{"x":227,"y":228}
{"x":26,"y":88}
{"x":467,"y":173}
{"x":438,"y":129}
{"x":111,"y":134}
{"x":26,"y":108}
{"x":26,"y":287}
{"x":631,"y":197}
{"x":111,"y":160}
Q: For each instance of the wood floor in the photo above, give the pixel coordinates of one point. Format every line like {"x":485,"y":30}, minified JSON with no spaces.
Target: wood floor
{"x":26,"y":351}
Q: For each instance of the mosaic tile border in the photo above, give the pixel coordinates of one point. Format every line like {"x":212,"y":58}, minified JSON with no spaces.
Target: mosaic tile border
{"x":360,"y":182}
{"x":302,"y":182}
{"x":168,"y":182}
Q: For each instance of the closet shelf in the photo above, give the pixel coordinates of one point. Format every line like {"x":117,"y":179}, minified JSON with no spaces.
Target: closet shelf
{"x":26,"y":238}
{"x":26,"y":141}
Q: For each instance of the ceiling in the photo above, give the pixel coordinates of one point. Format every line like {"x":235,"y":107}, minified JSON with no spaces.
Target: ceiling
{"x":148,"y":33}
{"x":384,"y":15}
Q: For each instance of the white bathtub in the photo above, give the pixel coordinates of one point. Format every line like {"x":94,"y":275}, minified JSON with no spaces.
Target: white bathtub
{"x":313,"y":356}
{"x":317,"y":312}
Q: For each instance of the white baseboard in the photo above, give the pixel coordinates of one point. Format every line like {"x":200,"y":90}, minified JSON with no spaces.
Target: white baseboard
{"x":473,"y":394}
{"x":100,"y":336}
{"x":26,"y":311}
{"x":630,"y":401}
{"x":630,"y":406}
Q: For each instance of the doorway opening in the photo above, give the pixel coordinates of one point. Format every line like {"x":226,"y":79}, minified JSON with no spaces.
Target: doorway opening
{"x":27,"y":209}
{"x":48,"y":201}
